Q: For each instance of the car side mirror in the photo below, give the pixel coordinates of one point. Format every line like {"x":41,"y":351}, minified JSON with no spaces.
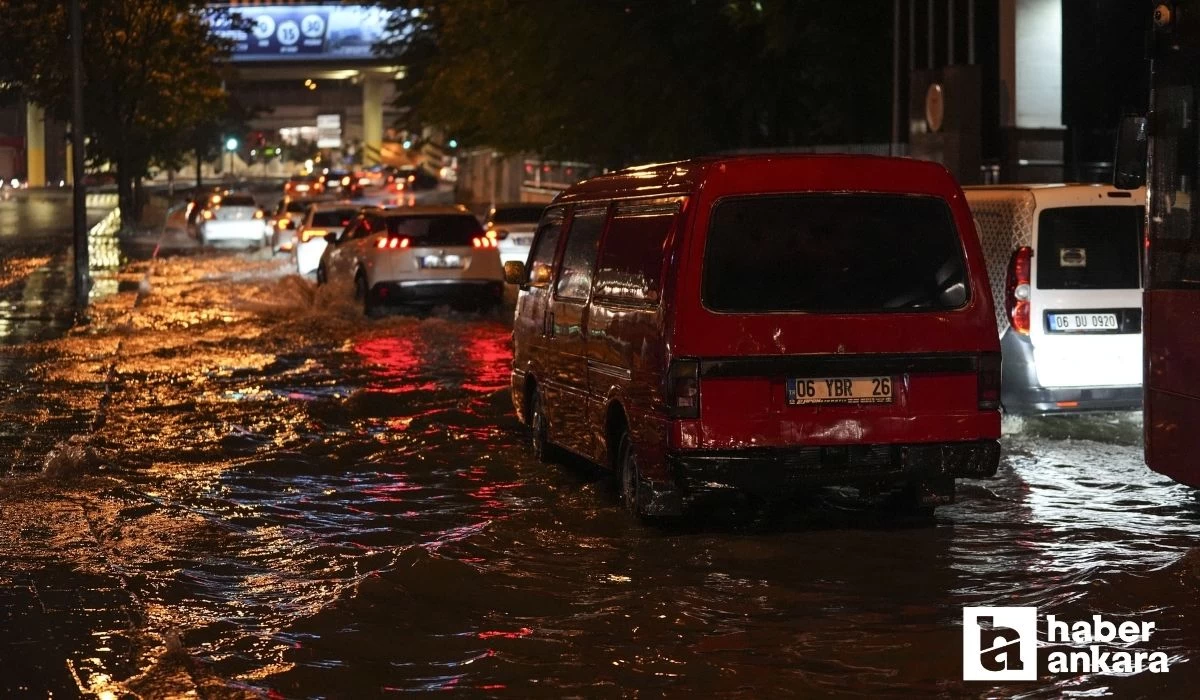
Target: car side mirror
{"x":514,"y":272}
{"x":331,"y":238}
{"x":1129,"y":165}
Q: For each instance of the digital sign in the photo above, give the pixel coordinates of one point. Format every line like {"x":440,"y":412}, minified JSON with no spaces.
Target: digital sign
{"x":303,"y":32}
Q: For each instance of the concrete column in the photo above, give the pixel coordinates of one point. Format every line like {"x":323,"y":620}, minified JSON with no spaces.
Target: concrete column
{"x":372,"y":118}
{"x":35,"y":145}
{"x":1031,"y":63}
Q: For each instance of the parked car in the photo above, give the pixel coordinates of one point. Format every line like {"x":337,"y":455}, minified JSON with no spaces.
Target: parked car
{"x":1065,"y":265}
{"x":232,"y":218}
{"x":513,"y":226}
{"x":416,"y":256}
{"x":320,"y":220}
{"x":284,"y":221}
{"x":762,"y":325}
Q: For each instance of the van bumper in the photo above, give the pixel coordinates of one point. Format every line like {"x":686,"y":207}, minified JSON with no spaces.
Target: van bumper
{"x":476,"y":293}
{"x":773,"y":472}
{"x":1020,"y":393}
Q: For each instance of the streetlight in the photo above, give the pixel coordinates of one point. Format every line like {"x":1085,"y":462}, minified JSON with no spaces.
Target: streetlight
{"x":231,"y":145}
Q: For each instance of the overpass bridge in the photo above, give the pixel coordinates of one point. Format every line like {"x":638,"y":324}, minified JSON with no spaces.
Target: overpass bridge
{"x":313,"y":65}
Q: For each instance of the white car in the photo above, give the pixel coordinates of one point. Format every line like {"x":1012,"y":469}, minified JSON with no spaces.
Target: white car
{"x":1065,"y":265}
{"x":417,"y":256}
{"x":513,"y":226}
{"x":232,"y":218}
{"x":320,"y":221}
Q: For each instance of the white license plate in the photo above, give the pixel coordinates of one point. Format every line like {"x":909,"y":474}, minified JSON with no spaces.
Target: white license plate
{"x":839,"y":390}
{"x":440,"y":262}
{"x":1082,"y":321}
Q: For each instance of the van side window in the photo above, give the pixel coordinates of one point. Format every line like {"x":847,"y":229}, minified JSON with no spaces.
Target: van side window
{"x":631,"y":262}
{"x":575,"y":277}
{"x":544,"y":247}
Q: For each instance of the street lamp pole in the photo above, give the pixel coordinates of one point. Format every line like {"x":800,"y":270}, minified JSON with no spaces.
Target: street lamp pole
{"x":79,"y":190}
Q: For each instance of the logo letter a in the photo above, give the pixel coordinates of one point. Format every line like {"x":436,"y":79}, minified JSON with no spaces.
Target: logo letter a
{"x":999,"y":647}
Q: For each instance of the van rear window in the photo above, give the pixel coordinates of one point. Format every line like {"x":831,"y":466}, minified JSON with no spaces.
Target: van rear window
{"x":1089,"y":248}
{"x":833,"y":253}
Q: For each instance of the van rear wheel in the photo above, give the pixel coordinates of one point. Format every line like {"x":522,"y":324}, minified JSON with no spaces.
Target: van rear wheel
{"x":629,"y":474}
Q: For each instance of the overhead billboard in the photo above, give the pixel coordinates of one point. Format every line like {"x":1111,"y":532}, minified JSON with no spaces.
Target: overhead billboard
{"x":302,"y":32}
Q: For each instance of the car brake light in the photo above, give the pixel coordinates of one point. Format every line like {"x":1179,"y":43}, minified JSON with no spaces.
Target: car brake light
{"x":392,"y":243}
{"x":483,"y":242}
{"x":988,"y":372}
{"x":683,"y":389}
{"x":1017,"y":289}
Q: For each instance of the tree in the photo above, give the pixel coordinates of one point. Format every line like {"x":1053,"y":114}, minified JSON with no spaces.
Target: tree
{"x":616,"y":82}
{"x":152,"y":74}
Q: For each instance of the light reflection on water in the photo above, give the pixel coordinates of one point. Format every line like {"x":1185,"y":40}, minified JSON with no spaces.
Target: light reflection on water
{"x":324,"y":505}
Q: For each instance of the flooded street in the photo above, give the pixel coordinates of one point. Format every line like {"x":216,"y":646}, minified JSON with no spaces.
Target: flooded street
{"x":252,"y":490}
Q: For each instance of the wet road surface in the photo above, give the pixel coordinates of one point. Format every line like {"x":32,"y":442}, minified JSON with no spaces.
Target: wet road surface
{"x":252,"y":490}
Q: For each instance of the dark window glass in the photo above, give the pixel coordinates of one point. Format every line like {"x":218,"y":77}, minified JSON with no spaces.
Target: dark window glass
{"x":631,"y":262}
{"x":445,"y":229}
{"x":1174,"y":224}
{"x":297,"y":207}
{"x":541,"y":257}
{"x":333,"y":218}
{"x":238,"y":200}
{"x":1089,"y":248}
{"x":575,"y":275}
{"x":833,"y":253}
{"x":357,"y":229}
{"x":517,"y":215}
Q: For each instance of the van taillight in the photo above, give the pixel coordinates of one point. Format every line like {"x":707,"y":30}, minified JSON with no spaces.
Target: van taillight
{"x":683,"y":389}
{"x":1017,"y":289}
{"x":989,"y":381}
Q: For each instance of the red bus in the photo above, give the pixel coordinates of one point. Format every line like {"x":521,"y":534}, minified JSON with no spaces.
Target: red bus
{"x":1164,"y":150}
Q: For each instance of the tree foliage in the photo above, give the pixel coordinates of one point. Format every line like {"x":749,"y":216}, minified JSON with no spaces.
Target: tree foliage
{"x":616,"y":82}
{"x":151,"y":75}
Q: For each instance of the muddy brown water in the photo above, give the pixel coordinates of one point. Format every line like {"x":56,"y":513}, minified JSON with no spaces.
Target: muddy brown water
{"x":305,"y":503}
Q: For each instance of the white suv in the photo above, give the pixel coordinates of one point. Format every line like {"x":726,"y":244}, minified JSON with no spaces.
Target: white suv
{"x":417,"y":256}
{"x":513,"y":226}
{"x":1065,"y":266}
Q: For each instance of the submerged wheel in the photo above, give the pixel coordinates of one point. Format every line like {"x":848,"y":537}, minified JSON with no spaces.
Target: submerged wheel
{"x":363,"y":294}
{"x":629,"y":474}
{"x":539,"y":431}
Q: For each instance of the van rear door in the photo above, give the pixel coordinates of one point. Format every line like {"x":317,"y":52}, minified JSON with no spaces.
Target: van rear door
{"x":834,"y":318}
{"x":1086,"y":305}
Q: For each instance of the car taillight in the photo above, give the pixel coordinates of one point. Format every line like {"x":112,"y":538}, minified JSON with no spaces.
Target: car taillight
{"x":988,"y":372}
{"x":392,"y":243}
{"x":483,"y":242}
{"x":310,"y":233}
{"x":1017,"y":289}
{"x":207,"y":214}
{"x":683,"y":389}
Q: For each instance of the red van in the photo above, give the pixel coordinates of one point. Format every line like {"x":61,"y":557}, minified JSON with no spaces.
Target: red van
{"x":765,"y":324}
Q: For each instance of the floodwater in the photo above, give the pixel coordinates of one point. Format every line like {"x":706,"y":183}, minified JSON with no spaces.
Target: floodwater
{"x":268,"y":495}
